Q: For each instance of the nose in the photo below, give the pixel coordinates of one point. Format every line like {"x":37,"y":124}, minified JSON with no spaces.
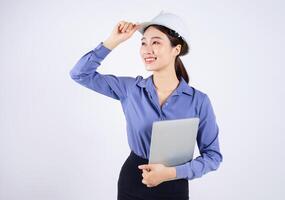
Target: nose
{"x":147,"y":49}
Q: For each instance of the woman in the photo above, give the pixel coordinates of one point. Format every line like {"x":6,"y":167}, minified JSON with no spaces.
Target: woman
{"x":164,"y":95}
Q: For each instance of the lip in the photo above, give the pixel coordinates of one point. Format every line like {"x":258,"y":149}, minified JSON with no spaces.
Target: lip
{"x":149,"y":62}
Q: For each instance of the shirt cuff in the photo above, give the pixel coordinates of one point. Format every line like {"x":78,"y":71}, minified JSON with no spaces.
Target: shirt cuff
{"x":182,"y":171}
{"x":101,"y":51}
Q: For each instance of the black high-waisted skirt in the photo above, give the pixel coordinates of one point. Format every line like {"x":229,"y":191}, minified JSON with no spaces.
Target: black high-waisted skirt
{"x":130,"y":186}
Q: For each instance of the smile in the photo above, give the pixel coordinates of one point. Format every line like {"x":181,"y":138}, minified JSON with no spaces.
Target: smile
{"x":150,"y":60}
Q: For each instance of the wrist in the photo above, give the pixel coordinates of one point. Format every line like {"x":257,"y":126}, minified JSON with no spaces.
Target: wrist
{"x":171,"y":173}
{"x":110,"y":44}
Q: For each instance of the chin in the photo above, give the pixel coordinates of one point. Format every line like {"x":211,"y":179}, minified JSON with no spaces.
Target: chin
{"x":150,"y":68}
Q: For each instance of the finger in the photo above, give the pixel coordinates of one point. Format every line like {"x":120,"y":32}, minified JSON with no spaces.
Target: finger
{"x":130,"y":27}
{"x":134,"y":28}
{"x":125,"y":27}
{"x":141,"y":166}
{"x":138,"y":26}
{"x":145,"y":167}
{"x":121,"y":25}
{"x":144,"y":181}
{"x":144,"y":173}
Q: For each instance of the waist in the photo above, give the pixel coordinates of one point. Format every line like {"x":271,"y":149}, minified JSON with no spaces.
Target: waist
{"x":138,"y":158}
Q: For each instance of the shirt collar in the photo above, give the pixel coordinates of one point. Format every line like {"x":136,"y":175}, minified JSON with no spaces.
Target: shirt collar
{"x":183,"y":86}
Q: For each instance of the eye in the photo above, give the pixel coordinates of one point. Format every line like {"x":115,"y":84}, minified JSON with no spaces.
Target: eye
{"x":155,"y":42}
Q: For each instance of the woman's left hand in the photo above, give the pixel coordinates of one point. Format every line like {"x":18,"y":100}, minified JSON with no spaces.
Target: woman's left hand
{"x":154,"y":174}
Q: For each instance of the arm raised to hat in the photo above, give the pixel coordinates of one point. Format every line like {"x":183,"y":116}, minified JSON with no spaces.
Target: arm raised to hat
{"x":85,"y":71}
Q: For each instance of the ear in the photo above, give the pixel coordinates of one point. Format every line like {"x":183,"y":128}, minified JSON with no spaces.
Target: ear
{"x":178,"y":49}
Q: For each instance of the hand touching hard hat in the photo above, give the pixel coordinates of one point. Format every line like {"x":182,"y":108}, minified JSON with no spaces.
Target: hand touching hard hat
{"x":121,"y":32}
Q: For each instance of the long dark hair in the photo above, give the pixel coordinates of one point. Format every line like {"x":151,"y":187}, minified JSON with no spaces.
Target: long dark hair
{"x":175,"y":39}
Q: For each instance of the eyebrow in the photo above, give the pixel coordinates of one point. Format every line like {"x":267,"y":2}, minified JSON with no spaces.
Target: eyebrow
{"x":155,"y":37}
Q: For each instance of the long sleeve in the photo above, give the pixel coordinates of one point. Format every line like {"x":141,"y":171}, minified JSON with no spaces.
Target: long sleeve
{"x":85,"y":73}
{"x":208,"y":144}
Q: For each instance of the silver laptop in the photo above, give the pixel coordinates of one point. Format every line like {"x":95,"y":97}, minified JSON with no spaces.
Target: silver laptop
{"x":173,"y":141}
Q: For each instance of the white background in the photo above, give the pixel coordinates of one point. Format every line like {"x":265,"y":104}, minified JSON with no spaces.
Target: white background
{"x":59,"y":140}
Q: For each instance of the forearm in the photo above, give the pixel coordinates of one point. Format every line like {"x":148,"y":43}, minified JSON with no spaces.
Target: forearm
{"x":85,"y":73}
{"x":89,"y":62}
{"x":199,"y":166}
{"x":170,"y":173}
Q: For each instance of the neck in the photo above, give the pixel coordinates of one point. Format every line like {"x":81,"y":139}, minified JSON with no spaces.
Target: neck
{"x":165,"y":81}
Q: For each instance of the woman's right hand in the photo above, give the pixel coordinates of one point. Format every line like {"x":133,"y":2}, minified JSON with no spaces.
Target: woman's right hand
{"x":121,"y":32}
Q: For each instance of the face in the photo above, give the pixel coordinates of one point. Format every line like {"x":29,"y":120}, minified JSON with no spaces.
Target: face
{"x":156,"y":51}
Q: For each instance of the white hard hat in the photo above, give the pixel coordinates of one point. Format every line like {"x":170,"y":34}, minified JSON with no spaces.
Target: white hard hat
{"x":171,"y":21}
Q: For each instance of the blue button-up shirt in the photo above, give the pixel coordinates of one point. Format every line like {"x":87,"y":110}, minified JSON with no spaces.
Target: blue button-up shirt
{"x":141,"y":108}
